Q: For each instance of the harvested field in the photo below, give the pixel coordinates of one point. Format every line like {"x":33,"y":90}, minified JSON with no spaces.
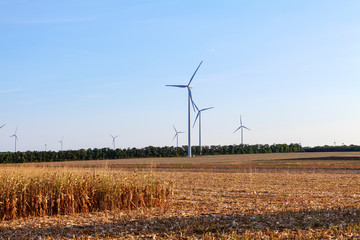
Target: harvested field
{"x":237,"y":163}
{"x":253,"y":204}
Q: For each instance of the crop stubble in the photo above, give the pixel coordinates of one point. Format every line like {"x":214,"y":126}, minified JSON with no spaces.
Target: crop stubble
{"x":232,"y":205}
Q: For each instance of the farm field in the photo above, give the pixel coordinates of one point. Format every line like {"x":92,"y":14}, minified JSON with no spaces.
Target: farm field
{"x":260,"y":196}
{"x":239,"y":163}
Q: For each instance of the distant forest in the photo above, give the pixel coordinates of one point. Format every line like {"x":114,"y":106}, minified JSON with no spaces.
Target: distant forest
{"x":107,"y":153}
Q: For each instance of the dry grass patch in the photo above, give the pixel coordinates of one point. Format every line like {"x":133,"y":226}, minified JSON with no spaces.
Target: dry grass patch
{"x":45,"y":191}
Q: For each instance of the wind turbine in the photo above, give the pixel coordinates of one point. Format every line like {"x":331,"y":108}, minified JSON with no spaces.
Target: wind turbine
{"x":114,"y":140}
{"x":15,"y":137}
{"x":199,"y":116}
{"x":176,"y":136}
{"x":241,"y":127}
{"x":61,"y":143}
{"x":190,"y":101}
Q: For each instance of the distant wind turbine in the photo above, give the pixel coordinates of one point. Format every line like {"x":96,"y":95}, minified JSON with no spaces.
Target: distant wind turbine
{"x":113,"y":138}
{"x":62,"y":141}
{"x":15,"y":137}
{"x":176,"y":136}
{"x":199,"y":116}
{"x":241,"y":127}
{"x":190,"y":101}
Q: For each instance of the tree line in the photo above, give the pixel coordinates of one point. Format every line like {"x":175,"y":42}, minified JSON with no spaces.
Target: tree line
{"x":107,"y":153}
{"x":327,"y":148}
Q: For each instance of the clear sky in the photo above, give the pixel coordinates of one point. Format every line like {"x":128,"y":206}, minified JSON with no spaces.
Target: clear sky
{"x":84,"y":69}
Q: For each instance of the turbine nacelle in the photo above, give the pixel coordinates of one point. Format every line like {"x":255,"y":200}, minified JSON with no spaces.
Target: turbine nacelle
{"x":199,"y":112}
{"x":241,"y":127}
{"x":113,"y":139}
{"x":14,"y":136}
{"x":190,"y":102}
{"x":176,"y":136}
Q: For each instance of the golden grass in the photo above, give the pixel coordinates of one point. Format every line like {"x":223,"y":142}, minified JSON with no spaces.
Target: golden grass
{"x":45,"y":191}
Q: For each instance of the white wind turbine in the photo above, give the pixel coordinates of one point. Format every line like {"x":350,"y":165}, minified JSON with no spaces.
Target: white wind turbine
{"x":241,"y":127}
{"x":62,"y":141}
{"x":15,"y":137}
{"x":199,"y":116}
{"x":113,"y":138}
{"x":177,"y":136}
{"x":190,"y":101}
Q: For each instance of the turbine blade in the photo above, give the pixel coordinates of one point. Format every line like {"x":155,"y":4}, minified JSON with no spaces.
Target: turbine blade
{"x":191,"y":99}
{"x":180,"y":86}
{"x":111,"y":136}
{"x":175,"y":129}
{"x":197,"y":116}
{"x":175,"y":135}
{"x":194,"y":73}
{"x":246,"y":128}
{"x":116,"y":136}
{"x":3,"y":125}
{"x":236,"y":129}
{"x":240,"y":121}
{"x":181,"y":132}
{"x":204,"y":109}
{"x":196,"y":107}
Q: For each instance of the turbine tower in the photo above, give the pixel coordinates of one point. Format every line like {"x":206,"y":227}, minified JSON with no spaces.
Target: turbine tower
{"x":190,"y":101}
{"x":242,"y":128}
{"x":61,"y":143}
{"x":199,"y":116}
{"x":15,"y":137}
{"x":176,"y":136}
{"x":113,"y":138}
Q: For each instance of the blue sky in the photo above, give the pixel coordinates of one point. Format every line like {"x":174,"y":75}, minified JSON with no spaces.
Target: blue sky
{"x":85,"y":69}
